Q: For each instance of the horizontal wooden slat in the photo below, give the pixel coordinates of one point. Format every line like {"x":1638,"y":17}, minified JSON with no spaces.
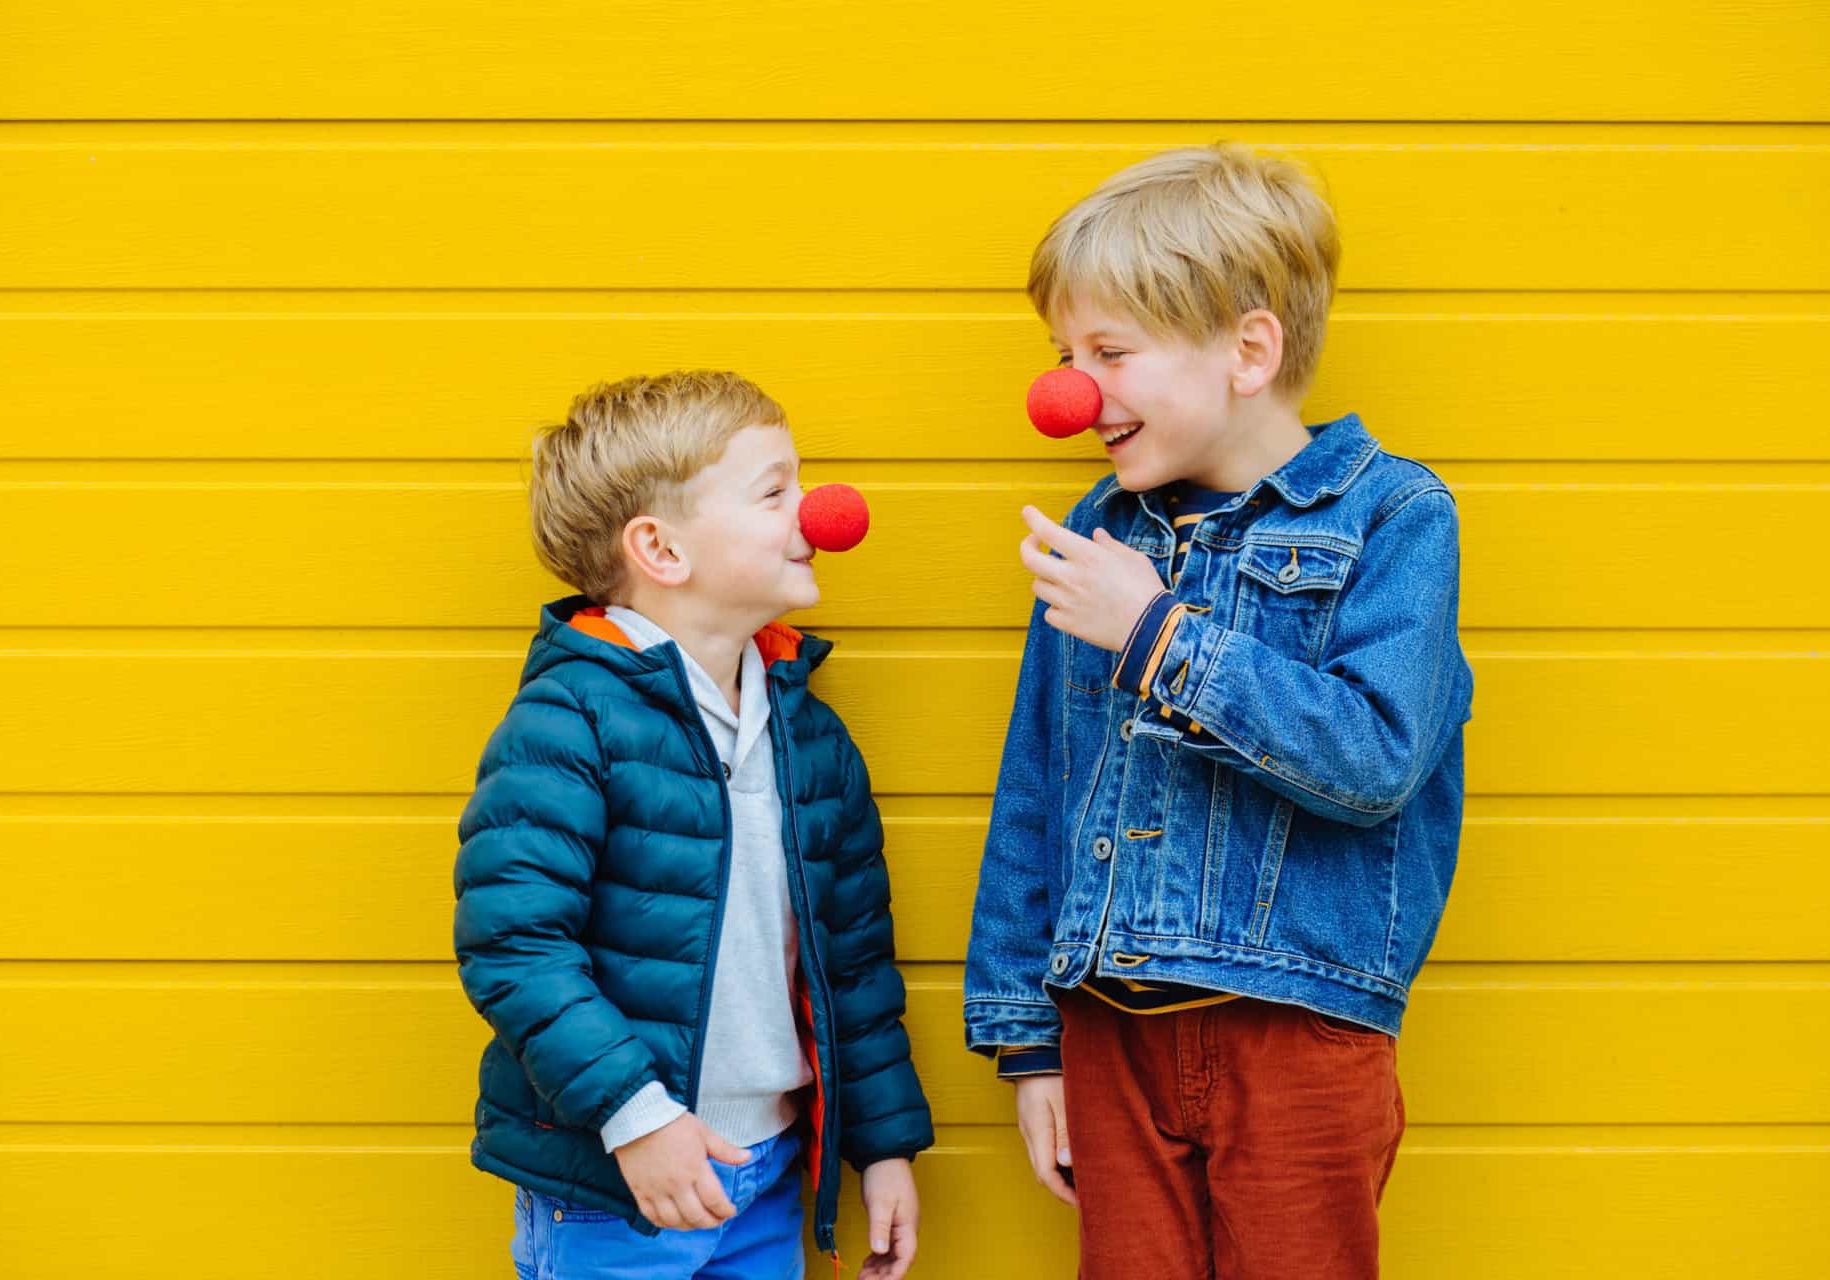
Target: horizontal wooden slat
{"x":1496,"y":1204}
{"x":1556,"y":552}
{"x":370,"y":888}
{"x":1465,"y":382}
{"x":930,"y":724}
{"x":576,"y":206}
{"x":1499,"y":1044}
{"x":1561,"y":60}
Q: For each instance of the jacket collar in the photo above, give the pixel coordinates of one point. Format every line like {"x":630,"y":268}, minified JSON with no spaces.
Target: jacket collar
{"x":1333,"y":459}
{"x":575,"y":625}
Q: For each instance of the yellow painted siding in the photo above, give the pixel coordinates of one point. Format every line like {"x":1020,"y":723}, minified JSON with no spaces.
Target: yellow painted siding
{"x":286,"y":288}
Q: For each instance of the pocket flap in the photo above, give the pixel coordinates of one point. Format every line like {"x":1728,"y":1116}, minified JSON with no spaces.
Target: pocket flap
{"x":1286,"y":568}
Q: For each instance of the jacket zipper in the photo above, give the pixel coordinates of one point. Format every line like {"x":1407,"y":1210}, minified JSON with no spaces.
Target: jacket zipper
{"x":724,"y":888}
{"x":826,"y":1203}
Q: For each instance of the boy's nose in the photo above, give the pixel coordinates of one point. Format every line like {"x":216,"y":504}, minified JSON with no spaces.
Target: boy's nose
{"x":834,"y":517}
{"x":1064,"y":402}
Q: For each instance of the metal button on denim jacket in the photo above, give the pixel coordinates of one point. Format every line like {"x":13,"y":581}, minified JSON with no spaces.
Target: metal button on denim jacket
{"x":1297,"y":843}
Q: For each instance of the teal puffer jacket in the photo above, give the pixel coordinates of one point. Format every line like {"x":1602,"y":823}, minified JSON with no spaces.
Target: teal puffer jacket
{"x":590,"y":891}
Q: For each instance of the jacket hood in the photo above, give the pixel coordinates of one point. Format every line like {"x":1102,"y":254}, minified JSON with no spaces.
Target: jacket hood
{"x":574,"y":628}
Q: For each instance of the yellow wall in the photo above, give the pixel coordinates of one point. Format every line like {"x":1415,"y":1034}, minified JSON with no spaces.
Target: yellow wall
{"x":288,"y":284}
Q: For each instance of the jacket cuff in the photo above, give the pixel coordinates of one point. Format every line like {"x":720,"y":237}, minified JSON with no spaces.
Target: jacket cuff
{"x":993,"y":1021}
{"x":1143,"y":651}
{"x":1015,"y":1062}
{"x":648,"y":1110}
{"x":895,"y":1137}
{"x":1191,"y":659}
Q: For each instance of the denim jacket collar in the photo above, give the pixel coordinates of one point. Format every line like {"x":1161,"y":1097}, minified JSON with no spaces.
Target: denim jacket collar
{"x":1334,"y":457}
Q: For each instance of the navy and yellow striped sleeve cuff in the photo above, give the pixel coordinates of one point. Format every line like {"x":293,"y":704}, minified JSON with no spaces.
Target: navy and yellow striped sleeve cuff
{"x":1143,"y":652}
{"x":1028,"y":1060}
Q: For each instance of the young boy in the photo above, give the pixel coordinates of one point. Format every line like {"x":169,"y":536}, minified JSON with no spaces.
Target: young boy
{"x":672,"y":902}
{"x":1231,"y":791}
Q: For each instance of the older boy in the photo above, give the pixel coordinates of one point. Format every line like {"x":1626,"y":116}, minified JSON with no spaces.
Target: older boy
{"x":1231,"y":792}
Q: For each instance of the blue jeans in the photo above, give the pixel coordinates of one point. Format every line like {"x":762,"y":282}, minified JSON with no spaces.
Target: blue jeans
{"x":555,"y":1240}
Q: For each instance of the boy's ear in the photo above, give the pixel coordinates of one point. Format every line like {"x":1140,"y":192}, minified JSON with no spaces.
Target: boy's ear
{"x":1260,"y":350}
{"x":651,"y":549}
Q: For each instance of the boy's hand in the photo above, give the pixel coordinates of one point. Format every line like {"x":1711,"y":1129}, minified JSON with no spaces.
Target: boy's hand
{"x":670,"y":1173}
{"x":890,"y":1204}
{"x":1095,"y":587}
{"x":1042,"y":1119}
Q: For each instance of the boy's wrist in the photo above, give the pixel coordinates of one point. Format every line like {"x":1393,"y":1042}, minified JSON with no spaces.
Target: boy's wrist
{"x":1137,"y":624}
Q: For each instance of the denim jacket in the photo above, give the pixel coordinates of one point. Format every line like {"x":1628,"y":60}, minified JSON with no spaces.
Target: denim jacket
{"x":1296,"y":844}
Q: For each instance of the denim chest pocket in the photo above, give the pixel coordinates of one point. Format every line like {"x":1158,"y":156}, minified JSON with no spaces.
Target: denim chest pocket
{"x":1288,"y":590}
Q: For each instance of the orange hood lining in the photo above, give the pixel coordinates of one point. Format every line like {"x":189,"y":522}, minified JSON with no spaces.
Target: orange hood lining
{"x":777,"y":641}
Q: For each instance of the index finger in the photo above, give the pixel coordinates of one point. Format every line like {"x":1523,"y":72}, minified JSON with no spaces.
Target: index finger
{"x":902,"y":1235}
{"x":903,"y":1254}
{"x":1042,"y":1164}
{"x":711,"y":1195}
{"x":1061,"y":540}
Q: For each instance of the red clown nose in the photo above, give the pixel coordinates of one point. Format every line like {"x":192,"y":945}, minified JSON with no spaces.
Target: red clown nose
{"x":1064,"y":402}
{"x":834,"y":517}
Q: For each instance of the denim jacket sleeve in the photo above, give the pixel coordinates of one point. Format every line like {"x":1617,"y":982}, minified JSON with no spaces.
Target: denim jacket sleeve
{"x":1353,"y":737}
{"x":1013,"y":917}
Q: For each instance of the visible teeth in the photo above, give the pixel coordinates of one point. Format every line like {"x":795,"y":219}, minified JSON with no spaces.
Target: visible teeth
{"x":1126,"y":434}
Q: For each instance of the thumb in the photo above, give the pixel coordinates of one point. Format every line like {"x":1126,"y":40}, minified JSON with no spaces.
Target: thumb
{"x":720,"y":1150}
{"x":1102,"y":537}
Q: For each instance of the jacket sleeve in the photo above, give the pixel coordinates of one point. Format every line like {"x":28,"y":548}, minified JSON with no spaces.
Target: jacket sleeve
{"x":1012,"y":918}
{"x":530,"y":838}
{"x":882,"y":1111}
{"x":1352,"y":738}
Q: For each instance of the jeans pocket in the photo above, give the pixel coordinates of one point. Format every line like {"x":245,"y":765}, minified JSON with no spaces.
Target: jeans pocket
{"x":1335,"y":1030}
{"x":562,"y":1212}
{"x":584,"y":1243}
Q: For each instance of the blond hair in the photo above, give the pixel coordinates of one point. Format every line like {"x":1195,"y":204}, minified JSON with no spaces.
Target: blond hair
{"x":628,"y":449}
{"x":1188,"y":241}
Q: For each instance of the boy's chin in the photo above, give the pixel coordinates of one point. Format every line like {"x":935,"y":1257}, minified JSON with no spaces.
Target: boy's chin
{"x":795,"y":596}
{"x":1137,"y":479}
{"x":1137,"y":474}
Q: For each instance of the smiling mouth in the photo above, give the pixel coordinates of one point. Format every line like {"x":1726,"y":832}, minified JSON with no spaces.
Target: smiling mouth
{"x":1123,"y":434}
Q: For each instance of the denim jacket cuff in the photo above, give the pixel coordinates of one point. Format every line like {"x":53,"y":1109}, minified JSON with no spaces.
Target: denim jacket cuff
{"x":992,"y":1023}
{"x":1190,"y":664}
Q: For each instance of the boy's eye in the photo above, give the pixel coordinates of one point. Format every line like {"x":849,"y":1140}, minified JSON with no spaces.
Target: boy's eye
{"x":1065,"y":358}
{"x":1106,"y":353}
{"x":775,"y":493}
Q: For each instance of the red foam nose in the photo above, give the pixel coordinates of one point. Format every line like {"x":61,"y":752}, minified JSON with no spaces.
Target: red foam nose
{"x":835,"y":517}
{"x":1064,"y":402}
